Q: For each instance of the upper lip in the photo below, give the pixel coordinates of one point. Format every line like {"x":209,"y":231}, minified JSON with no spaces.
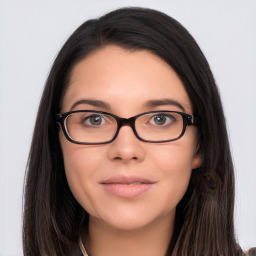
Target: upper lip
{"x":126,"y":180}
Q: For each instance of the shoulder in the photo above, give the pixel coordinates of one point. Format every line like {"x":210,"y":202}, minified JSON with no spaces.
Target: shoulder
{"x":251,"y":252}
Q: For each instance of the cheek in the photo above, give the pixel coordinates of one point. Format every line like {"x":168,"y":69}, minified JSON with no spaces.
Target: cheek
{"x":80,"y":170}
{"x":174,"y":159}
{"x":174,"y":164}
{"x":76,"y":160}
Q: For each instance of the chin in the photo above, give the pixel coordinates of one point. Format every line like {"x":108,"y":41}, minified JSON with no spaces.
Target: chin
{"x":131,"y":220}
{"x":126,"y":224}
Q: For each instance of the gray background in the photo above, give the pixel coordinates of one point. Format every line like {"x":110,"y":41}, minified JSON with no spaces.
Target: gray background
{"x":32,"y":32}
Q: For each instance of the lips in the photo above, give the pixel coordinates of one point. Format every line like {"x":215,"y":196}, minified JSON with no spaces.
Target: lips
{"x":127,"y":187}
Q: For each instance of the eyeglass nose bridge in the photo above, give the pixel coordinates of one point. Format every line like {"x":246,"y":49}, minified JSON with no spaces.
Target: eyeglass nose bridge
{"x":126,"y":122}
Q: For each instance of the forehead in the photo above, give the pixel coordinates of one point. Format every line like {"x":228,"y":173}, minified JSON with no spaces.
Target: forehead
{"x":124,"y":79}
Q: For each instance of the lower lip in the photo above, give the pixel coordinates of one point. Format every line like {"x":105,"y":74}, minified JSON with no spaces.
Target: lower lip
{"x":125,"y":190}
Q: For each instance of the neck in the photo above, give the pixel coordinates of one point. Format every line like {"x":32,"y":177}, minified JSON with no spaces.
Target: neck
{"x":105,"y":240}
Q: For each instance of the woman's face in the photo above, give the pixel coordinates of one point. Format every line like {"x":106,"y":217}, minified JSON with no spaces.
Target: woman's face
{"x":128,"y":184}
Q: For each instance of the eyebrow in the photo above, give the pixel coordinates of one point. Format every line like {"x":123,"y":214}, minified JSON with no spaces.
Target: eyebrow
{"x":162,"y":102}
{"x":149,"y":104}
{"x":96,"y":103}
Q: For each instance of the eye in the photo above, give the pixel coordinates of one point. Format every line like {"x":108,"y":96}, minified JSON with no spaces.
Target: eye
{"x":93,"y":120}
{"x":162,"y":119}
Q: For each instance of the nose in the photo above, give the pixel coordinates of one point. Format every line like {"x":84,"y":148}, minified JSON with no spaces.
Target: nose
{"x":126,"y":146}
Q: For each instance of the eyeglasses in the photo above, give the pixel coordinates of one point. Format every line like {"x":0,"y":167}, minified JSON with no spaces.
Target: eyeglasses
{"x":97,"y":127}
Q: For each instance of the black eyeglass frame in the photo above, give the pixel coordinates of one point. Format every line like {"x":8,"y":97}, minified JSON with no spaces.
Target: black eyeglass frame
{"x":187,"y":120}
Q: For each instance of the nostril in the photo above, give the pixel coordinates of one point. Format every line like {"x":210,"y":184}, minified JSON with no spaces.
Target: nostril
{"x":123,"y":158}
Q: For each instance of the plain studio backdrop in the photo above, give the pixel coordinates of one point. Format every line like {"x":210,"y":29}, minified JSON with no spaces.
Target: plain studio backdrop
{"x":31,"y":34}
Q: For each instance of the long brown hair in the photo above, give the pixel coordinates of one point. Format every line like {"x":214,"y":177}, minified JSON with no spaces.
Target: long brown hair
{"x":204,"y":217}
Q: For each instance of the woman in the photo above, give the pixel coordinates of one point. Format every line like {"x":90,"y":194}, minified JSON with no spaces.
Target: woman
{"x":130,"y":154}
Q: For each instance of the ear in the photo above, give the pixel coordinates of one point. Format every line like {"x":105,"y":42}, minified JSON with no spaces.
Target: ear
{"x":196,"y":161}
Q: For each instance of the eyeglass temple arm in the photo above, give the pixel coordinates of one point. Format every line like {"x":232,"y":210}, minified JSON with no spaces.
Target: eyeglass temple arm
{"x":58,"y":117}
{"x":194,"y":120}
